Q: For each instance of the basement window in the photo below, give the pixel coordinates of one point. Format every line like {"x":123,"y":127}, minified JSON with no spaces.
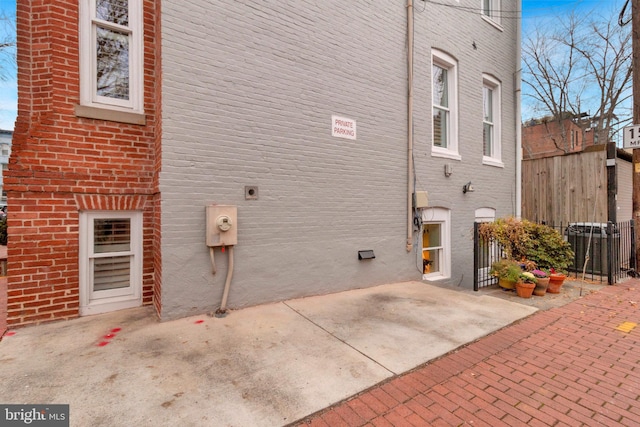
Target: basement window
{"x":110,"y":261}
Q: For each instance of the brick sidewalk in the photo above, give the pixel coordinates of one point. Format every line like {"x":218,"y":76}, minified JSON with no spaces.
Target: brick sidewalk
{"x":565,"y":366}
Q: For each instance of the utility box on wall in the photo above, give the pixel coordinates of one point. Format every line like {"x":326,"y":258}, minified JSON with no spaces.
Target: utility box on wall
{"x":421,"y":199}
{"x":222,"y":225}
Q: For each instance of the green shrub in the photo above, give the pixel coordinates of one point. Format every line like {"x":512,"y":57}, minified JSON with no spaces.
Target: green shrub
{"x":506,"y":269}
{"x":547,"y":248}
{"x":526,"y":241}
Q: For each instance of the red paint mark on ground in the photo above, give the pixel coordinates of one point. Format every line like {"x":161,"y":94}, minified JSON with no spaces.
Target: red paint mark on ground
{"x":116,"y":330}
{"x":109,"y":336}
{"x":9,"y":334}
{"x":103,"y":343}
{"x":199,"y":321}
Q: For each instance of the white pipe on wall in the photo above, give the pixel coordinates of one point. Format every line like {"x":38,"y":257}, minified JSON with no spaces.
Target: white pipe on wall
{"x":410,"y":126}
{"x":518,"y":113}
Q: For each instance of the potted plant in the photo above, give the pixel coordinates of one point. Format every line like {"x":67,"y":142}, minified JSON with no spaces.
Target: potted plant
{"x":556,"y":279}
{"x":536,"y":243}
{"x":526,"y":285}
{"x":508,"y":273}
{"x":542,"y":282}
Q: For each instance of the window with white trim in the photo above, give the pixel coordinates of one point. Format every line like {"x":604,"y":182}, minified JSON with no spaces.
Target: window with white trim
{"x":491,"y":123}
{"x":445,"y":105}
{"x":436,"y":247}
{"x":111,"y":54}
{"x":110,"y":260}
{"x":491,"y":10}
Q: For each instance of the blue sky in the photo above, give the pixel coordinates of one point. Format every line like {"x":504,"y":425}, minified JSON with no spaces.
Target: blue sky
{"x":531,"y":10}
{"x":545,"y":11}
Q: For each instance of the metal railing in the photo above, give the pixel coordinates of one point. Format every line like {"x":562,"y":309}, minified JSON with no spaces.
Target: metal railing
{"x":602,"y":252}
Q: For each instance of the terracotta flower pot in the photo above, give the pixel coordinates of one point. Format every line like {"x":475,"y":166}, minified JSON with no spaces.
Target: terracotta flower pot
{"x":524,"y":290}
{"x":555,"y":283}
{"x":541,"y":286}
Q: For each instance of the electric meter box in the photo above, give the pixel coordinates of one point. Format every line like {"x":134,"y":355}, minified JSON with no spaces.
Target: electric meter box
{"x":222,"y":225}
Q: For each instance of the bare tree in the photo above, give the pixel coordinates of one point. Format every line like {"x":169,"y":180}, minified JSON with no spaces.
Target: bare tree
{"x":7,"y":46}
{"x":579,"y":64}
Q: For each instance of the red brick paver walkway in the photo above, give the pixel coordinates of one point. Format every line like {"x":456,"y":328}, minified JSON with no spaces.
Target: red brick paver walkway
{"x":567,"y":366}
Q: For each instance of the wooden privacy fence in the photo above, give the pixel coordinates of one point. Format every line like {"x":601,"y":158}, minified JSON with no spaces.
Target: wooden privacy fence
{"x":556,"y":190}
{"x":604,"y":252}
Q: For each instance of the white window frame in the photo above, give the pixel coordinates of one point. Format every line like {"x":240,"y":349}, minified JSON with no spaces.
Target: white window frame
{"x":491,"y":11}
{"x":445,"y":61}
{"x":95,"y":302}
{"x":87,"y":41}
{"x":494,"y":84}
{"x":442,"y":217}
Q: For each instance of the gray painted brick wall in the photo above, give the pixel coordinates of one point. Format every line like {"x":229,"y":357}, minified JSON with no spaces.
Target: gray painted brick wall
{"x":455,"y":31}
{"x":248,"y":93}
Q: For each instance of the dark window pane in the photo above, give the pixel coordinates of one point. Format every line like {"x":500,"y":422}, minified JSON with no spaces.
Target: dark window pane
{"x":112,"y":57}
{"x":440,"y":87}
{"x":116,"y":11}
{"x":487,"y":104}
{"x":439,"y":128}
{"x":111,"y":235}
{"x":111,"y":273}
{"x":487,"y":134}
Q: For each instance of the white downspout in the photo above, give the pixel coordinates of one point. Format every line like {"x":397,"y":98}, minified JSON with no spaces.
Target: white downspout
{"x":518,"y":120}
{"x":410,"y":126}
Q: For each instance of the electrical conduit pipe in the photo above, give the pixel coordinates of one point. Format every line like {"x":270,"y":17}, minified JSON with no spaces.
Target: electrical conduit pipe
{"x":222,"y":311}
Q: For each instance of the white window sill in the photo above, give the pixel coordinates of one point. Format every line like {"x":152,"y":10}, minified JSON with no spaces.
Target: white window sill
{"x":493,"y":23}
{"x":110,"y":115}
{"x":433,"y":277}
{"x":490,"y":161}
{"x":446,"y":154}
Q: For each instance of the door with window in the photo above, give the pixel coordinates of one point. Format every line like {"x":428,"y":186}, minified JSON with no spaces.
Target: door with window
{"x":436,"y":249}
{"x":488,"y":252}
{"x":110,"y":261}
{"x":431,"y":248}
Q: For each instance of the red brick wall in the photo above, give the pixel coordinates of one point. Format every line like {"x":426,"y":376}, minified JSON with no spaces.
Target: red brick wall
{"x":157,"y":220}
{"x":61,"y":163}
{"x":546,"y":139}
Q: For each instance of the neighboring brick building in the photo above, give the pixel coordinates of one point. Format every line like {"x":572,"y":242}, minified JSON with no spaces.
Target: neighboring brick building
{"x":295,"y":113}
{"x":71,"y":158}
{"x":550,"y":138}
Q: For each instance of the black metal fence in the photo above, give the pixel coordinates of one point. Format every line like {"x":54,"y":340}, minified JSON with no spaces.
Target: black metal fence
{"x":603,"y":252}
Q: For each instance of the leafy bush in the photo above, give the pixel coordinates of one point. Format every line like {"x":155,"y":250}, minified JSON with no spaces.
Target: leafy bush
{"x":526,"y":241}
{"x":506,"y":269}
{"x":511,"y":233}
{"x":548,"y":249}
